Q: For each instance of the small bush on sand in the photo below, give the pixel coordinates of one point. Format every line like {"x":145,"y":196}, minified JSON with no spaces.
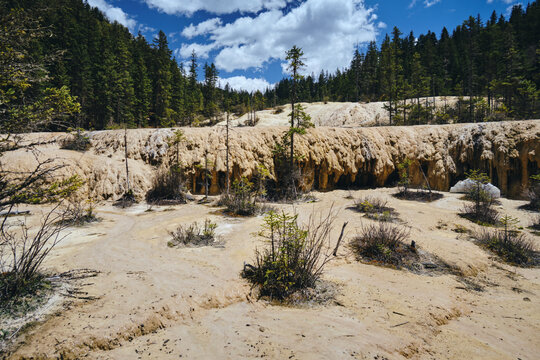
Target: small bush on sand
{"x":279,"y":110}
{"x":510,"y":245}
{"x":481,"y":210}
{"x":126,"y":200}
{"x":194,"y":235}
{"x":375,"y":208}
{"x":79,"y":212}
{"x":404,"y":185}
{"x":384,"y":243}
{"x":167,"y":187}
{"x":295,"y":257}
{"x":242,"y":200}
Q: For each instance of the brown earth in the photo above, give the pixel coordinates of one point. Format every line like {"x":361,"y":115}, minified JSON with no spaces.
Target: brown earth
{"x":156,"y":302}
{"x":329,"y":157}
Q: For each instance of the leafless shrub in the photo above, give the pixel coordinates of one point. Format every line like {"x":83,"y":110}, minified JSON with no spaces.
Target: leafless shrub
{"x":167,"y":187}
{"x":23,"y":252}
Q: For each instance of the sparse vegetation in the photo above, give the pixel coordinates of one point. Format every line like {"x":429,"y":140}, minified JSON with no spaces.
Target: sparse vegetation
{"x":194,"y":234}
{"x":77,"y":141}
{"x":21,"y":254}
{"x":167,"y":187}
{"x":375,"y":208}
{"x":534,"y":193}
{"x":79,"y":212}
{"x":295,"y":257}
{"x":404,"y":185}
{"x":509,"y":244}
{"x":242,"y":200}
{"x":384,"y":243}
{"x":481,"y":211}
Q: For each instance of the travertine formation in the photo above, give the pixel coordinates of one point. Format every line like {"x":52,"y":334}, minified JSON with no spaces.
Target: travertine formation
{"x":329,"y":157}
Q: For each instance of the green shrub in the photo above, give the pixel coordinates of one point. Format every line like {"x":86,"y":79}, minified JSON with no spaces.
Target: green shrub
{"x":294,"y":259}
{"x":194,"y":234}
{"x":375,"y":208}
{"x":383,"y":242}
{"x":242,"y":200}
{"x":481,"y":210}
{"x":511,"y":246}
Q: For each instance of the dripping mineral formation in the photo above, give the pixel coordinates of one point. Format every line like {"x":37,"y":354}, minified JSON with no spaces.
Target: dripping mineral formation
{"x":330,"y":158}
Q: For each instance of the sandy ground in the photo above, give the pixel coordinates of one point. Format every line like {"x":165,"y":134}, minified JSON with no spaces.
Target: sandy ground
{"x":156,"y":302}
{"x":342,"y":114}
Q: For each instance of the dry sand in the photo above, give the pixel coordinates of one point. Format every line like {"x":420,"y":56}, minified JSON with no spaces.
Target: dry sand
{"x":156,"y":302}
{"x":342,"y":114}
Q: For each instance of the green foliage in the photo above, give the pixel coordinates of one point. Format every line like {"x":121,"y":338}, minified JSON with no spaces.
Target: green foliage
{"x":384,"y":243}
{"x":404,"y":169}
{"x":242,"y":200}
{"x":510,"y":245}
{"x":78,"y":141}
{"x":375,"y":208}
{"x":293,"y":259}
{"x":40,"y":193}
{"x":481,"y":211}
{"x":194,"y":234}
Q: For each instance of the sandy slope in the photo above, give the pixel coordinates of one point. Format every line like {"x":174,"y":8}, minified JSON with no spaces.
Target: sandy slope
{"x":342,"y":114}
{"x":161,"y":303}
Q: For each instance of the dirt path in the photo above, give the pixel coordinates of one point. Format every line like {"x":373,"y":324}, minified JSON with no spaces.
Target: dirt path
{"x":159,"y":303}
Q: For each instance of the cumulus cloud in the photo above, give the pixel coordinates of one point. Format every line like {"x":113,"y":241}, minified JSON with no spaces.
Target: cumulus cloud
{"x":243,"y":83}
{"x":202,"y":50}
{"x":215,"y":6}
{"x":114,"y":13}
{"x":202,"y":28}
{"x":328,"y":31}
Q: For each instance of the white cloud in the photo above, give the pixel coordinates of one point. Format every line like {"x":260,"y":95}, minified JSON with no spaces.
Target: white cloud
{"x":202,"y":50}
{"x":381,"y":25}
{"x":429,"y":3}
{"x":188,"y":7}
{"x":202,"y":28}
{"x":243,"y":83}
{"x":114,"y":13}
{"x":411,"y":5}
{"x":326,"y":30}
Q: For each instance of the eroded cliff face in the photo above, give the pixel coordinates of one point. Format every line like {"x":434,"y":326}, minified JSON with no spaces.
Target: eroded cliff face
{"x":329,"y":157}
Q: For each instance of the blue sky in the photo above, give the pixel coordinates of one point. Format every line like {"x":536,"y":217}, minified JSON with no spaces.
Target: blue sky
{"x":247,"y":39}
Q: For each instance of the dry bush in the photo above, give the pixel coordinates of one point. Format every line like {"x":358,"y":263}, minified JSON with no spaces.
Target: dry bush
{"x":79,"y":212}
{"x":279,"y":110}
{"x":383,"y":242}
{"x":167,"y":187}
{"x":511,"y":246}
{"x":22,"y":252}
{"x":295,"y":256}
{"x":194,"y":235}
